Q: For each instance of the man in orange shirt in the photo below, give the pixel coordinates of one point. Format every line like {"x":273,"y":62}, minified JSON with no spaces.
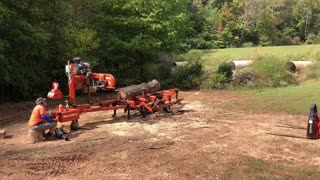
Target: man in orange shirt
{"x":41,"y":121}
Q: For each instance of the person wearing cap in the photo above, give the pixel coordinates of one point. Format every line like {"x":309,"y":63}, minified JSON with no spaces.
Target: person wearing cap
{"x":41,"y":121}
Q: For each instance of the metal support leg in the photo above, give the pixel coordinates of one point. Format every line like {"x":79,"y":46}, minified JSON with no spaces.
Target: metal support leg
{"x":128,"y":111}
{"x":114,"y":113}
{"x":74,"y":125}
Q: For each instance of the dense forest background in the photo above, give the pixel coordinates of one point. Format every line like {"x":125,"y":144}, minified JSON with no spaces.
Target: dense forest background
{"x":135,"y":39}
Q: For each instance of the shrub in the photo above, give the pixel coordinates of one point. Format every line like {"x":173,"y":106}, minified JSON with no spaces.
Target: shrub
{"x":218,"y":44}
{"x":312,"y":71}
{"x":318,"y":38}
{"x":296,"y":40}
{"x":191,"y":56}
{"x":291,"y":40}
{"x":311,"y":39}
{"x":189,"y":76}
{"x":271,"y":72}
{"x":225,"y":69}
{"x":164,"y":74}
{"x":200,"y":43}
{"x":248,"y":44}
{"x":217,"y":81}
{"x":160,"y":70}
{"x":265,"y":41}
{"x":244,"y":77}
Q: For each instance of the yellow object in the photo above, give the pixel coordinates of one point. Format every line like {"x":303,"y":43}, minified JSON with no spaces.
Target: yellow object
{"x":67,"y":105}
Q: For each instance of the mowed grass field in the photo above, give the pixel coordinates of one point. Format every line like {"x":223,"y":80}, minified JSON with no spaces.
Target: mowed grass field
{"x":292,"y":99}
{"x":214,"y":57}
{"x":289,"y":53}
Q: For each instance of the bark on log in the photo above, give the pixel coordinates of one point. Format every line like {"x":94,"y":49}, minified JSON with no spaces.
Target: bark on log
{"x":135,"y":90}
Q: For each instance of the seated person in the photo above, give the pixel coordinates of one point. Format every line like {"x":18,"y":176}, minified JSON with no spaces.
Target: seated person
{"x":41,"y":121}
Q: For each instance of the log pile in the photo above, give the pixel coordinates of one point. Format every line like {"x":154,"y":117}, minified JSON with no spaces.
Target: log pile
{"x":135,"y":90}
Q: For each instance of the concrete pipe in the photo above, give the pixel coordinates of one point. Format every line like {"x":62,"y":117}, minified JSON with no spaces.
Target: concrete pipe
{"x":295,"y":66}
{"x":182,"y":63}
{"x":239,"y":63}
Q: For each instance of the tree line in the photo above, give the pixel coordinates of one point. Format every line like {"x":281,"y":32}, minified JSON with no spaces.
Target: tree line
{"x":130,"y":38}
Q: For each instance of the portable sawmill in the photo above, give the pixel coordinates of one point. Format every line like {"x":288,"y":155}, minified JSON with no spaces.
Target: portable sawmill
{"x":147,"y":98}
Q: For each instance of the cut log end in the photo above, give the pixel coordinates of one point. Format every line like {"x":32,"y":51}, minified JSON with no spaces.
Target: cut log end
{"x":35,"y":136}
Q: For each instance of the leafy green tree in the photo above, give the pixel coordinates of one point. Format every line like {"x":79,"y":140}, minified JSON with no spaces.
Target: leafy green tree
{"x":81,"y":42}
{"x":268,"y":23}
{"x":231,"y":13}
{"x":306,"y":14}
{"x":204,"y":20}
{"x":32,"y":46}
{"x":133,"y":32}
{"x":80,"y":39}
{"x":24,"y":49}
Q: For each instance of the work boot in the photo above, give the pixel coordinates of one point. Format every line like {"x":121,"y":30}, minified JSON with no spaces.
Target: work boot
{"x":49,"y":136}
{"x":60,"y":134}
{"x":64,"y":137}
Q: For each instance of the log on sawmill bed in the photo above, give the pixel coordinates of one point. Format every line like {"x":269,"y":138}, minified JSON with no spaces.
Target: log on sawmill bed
{"x":135,"y":90}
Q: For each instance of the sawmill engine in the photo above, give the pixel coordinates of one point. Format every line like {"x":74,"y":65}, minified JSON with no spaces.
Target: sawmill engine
{"x":80,"y":68}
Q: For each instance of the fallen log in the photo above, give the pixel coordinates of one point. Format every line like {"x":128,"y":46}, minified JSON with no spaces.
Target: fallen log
{"x":135,"y":90}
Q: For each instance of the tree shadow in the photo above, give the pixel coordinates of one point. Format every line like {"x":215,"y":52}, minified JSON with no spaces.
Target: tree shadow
{"x":290,"y":126}
{"x":287,"y":135}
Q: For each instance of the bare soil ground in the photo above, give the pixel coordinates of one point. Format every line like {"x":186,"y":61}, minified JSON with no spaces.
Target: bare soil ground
{"x":199,"y":140}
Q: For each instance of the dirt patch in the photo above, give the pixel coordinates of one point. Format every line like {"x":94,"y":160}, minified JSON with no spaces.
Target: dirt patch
{"x":199,"y":140}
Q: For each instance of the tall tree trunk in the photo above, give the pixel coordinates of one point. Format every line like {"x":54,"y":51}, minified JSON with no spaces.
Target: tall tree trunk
{"x":307,"y":22}
{"x":241,"y":38}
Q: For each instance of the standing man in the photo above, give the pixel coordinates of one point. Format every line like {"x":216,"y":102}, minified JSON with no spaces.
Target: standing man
{"x":41,"y":121}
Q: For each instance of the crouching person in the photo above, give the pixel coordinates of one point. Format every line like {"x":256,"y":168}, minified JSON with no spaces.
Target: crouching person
{"x":40,"y":121}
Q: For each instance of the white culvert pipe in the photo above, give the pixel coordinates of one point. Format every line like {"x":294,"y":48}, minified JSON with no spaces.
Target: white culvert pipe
{"x":239,"y":63}
{"x":181,"y":63}
{"x":295,"y":66}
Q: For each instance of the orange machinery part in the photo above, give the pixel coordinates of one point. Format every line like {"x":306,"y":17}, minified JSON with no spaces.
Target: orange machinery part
{"x":71,"y":114}
{"x":55,"y":92}
{"x":77,"y":81}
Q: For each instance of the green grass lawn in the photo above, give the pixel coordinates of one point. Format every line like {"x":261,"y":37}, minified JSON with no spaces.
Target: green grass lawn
{"x":292,"y":99}
{"x":215,"y":57}
{"x":255,"y":168}
{"x":306,"y":52}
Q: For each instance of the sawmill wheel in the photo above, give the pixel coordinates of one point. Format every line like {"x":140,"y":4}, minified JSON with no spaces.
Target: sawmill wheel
{"x":74,"y":125}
